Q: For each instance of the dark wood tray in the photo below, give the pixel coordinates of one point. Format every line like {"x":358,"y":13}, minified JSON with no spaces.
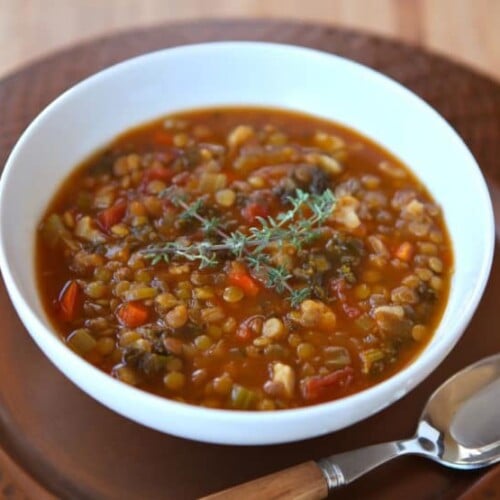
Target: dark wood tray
{"x":56,"y":439}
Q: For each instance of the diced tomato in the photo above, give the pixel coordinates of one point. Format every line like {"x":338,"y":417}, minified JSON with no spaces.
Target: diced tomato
{"x":244,"y":333}
{"x":253,"y":210}
{"x":351,"y":311}
{"x":112,"y":215}
{"x":239,"y":276}
{"x":338,"y":286}
{"x":157,"y":173}
{"x":315,"y":387}
{"x":69,"y":301}
{"x":181,"y":179}
{"x":162,"y":138}
{"x":166,"y":156}
{"x":133,"y":314}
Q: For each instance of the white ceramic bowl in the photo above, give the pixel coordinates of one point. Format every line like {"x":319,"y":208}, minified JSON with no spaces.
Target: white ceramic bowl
{"x":90,"y":114}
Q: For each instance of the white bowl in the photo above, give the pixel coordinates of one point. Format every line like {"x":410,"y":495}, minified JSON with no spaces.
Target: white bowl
{"x":90,"y":114}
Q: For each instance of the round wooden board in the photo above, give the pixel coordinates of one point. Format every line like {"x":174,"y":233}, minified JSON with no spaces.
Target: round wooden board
{"x":61,"y":441}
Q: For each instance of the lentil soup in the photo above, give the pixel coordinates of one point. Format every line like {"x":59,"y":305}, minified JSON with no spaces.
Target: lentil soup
{"x":244,"y":258}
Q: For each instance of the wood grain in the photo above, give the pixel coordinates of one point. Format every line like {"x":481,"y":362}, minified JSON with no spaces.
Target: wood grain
{"x":465,"y":30}
{"x":487,"y":488}
{"x":17,"y":484}
{"x":302,"y":482}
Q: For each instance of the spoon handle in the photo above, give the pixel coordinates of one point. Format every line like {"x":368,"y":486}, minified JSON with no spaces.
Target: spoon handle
{"x":343,"y":468}
{"x":313,"y":480}
{"x":305,"y":482}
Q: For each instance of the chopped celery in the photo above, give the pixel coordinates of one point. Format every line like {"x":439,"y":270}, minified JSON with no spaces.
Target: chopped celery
{"x":81,"y":341}
{"x":369,"y":357}
{"x":53,"y":229}
{"x":242,"y":398}
{"x":337,"y":357}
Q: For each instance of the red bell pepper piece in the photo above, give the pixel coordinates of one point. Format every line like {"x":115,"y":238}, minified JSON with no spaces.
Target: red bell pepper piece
{"x":69,"y":300}
{"x":239,"y":276}
{"x":112,"y":215}
{"x":253,"y":210}
{"x":133,"y":314}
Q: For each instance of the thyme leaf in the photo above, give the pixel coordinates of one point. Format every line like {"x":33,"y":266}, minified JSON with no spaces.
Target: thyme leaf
{"x":299,"y":295}
{"x":277,"y":278}
{"x":191,"y":211}
{"x":211,"y":225}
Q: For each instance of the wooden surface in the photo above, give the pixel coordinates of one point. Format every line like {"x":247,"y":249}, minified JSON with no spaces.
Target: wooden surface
{"x":466,"y":30}
{"x":487,"y":488}
{"x":79,"y":449}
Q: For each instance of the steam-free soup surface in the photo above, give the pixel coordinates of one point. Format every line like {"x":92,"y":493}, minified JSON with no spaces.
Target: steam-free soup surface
{"x":249,"y":259}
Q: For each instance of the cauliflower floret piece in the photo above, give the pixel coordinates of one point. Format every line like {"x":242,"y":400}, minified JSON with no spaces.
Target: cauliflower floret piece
{"x":317,"y":315}
{"x":283,"y":379}
{"x":388,"y":317}
{"x":345,"y":212}
{"x":86,"y":230}
{"x":239,"y":135}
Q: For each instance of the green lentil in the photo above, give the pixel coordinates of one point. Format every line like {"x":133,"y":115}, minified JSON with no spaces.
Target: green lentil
{"x":174,"y":381}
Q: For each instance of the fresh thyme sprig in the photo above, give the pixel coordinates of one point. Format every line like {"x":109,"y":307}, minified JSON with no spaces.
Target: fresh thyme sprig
{"x":277,"y":278}
{"x":200,"y":252}
{"x":192,"y":212}
{"x":298,"y":226}
{"x":299,"y":232}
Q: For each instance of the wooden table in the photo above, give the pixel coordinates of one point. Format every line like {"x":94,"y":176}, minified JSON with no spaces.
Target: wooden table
{"x":465,"y":30}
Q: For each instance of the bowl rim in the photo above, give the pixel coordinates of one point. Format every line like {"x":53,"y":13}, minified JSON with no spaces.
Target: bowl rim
{"x":413,"y":373}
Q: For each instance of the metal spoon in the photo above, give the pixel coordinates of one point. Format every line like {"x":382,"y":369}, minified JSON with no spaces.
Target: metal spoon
{"x":459,"y":428}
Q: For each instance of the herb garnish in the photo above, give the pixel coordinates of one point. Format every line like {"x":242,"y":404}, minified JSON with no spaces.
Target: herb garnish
{"x":298,"y":226}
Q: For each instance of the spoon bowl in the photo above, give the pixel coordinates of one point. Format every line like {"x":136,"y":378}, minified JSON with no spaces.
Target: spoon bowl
{"x":466,"y":414}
